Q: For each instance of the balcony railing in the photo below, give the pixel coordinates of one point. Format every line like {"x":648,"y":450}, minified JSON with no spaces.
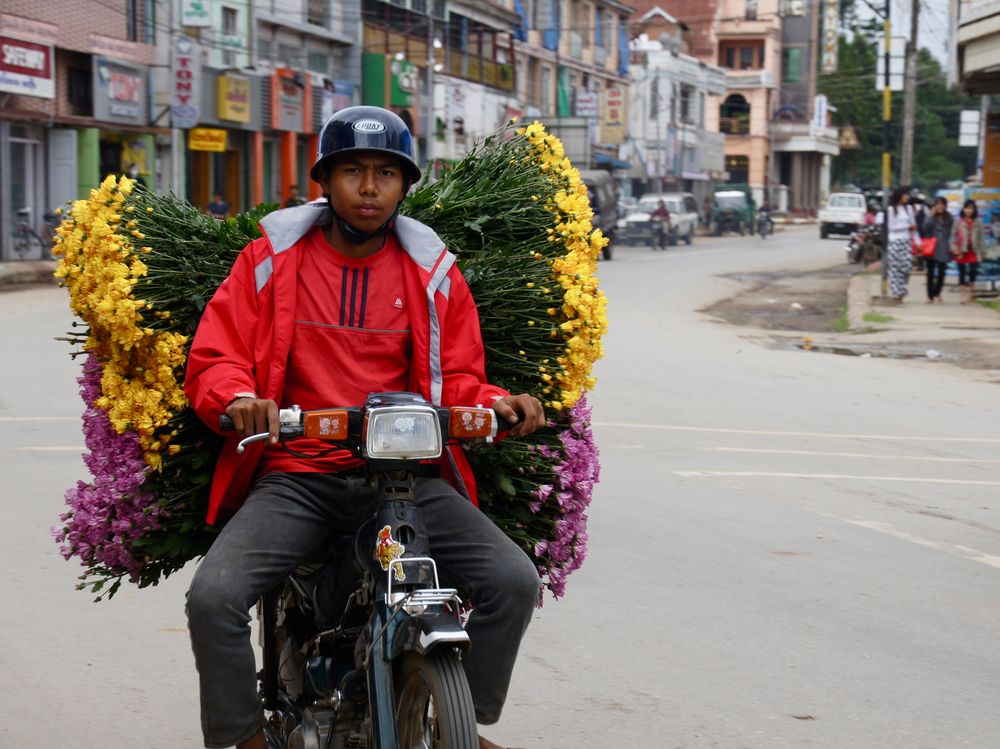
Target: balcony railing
{"x":492,"y":73}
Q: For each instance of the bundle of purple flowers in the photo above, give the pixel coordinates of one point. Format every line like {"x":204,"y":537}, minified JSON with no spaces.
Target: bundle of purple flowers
{"x":111,"y":512}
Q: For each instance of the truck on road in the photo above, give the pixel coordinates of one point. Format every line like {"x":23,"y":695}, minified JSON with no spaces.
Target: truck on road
{"x":843,"y":214}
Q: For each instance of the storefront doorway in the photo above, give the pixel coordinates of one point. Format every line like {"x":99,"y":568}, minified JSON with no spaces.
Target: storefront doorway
{"x":24,"y":185}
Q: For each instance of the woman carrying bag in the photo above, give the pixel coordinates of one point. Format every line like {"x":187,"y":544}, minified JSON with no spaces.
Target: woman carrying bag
{"x":902,"y":236}
{"x":968,"y":243}
{"x":937,"y":231}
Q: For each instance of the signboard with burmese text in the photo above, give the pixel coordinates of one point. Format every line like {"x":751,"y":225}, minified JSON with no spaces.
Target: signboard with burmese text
{"x":234,"y":98}
{"x":27,"y":68}
{"x":207,"y":139}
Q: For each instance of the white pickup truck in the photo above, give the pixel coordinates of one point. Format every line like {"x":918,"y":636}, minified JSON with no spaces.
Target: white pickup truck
{"x":844,"y":212}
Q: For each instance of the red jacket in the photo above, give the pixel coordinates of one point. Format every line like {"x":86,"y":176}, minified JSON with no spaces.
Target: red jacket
{"x":245,"y":334}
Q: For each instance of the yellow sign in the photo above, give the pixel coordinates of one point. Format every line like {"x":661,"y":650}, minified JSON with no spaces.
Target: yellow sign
{"x":849,"y":138}
{"x":234,"y":98}
{"x":207,"y":139}
{"x":613,"y":126}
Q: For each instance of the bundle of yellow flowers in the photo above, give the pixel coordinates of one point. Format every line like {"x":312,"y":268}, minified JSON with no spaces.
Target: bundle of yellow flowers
{"x":140,"y":267}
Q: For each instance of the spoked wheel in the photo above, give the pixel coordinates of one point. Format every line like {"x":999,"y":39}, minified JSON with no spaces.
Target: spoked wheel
{"x":433,"y":705}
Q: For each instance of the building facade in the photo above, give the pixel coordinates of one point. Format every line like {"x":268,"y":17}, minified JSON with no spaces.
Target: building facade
{"x":229,"y":96}
{"x":75,"y":93}
{"x":669,"y":142}
{"x":975,"y":50}
{"x":573,"y":66}
{"x":803,"y":140}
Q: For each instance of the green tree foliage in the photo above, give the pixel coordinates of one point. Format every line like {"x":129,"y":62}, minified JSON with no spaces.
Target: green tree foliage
{"x":937,"y":156}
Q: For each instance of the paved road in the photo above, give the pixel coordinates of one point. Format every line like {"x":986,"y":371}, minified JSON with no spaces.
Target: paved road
{"x":787,"y":549}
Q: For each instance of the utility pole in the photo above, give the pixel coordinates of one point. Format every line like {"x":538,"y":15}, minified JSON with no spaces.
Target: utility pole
{"x":909,"y":98}
{"x":429,"y":135}
{"x":886,"y":155}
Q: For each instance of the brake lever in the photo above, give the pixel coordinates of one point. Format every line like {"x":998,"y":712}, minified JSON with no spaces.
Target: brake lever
{"x":242,"y":446}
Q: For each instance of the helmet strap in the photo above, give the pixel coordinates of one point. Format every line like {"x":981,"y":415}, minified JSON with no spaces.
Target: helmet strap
{"x":354,"y":235}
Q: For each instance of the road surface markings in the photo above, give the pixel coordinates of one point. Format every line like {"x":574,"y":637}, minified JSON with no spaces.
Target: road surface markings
{"x":830,"y":476}
{"x":39,"y":418}
{"x":775,"y":433}
{"x":957,"y":550}
{"x":50,"y":449}
{"x":865,"y":456}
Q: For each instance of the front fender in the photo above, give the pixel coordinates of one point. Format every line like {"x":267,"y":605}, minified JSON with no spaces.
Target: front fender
{"x":424,"y":632}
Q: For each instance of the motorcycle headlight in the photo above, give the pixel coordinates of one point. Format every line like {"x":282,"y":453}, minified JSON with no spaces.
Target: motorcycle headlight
{"x":402,"y":432}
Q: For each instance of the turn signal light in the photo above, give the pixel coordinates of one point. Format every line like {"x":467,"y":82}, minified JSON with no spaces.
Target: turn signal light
{"x":326,"y":425}
{"x":467,"y":423}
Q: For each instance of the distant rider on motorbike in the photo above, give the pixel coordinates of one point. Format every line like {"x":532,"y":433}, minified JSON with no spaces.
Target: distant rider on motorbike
{"x":764,"y":222}
{"x":661,"y":225}
{"x":340,"y":298}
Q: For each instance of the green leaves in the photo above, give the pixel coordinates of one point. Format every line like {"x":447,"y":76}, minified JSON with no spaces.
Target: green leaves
{"x":937,"y":157}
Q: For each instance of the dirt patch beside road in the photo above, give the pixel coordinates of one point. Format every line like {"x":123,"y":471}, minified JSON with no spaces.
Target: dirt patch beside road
{"x":808,"y":311}
{"x":810,"y":302}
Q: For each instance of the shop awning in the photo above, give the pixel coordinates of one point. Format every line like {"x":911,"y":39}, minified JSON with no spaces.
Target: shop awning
{"x":602,"y":159}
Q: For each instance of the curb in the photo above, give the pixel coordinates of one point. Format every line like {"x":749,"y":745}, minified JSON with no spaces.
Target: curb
{"x":858,"y":301}
{"x":28,"y":272}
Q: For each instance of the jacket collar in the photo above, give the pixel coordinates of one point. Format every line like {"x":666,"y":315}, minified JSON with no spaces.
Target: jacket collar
{"x":284,"y":228}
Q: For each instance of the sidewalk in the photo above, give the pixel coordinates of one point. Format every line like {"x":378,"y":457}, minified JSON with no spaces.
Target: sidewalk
{"x":966,"y":334}
{"x":27,"y":271}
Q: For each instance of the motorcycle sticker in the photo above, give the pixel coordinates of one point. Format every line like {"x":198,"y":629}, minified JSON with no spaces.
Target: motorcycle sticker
{"x":387,"y":549}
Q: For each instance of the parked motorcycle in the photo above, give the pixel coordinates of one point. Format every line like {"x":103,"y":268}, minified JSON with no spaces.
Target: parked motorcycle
{"x":865,"y":245}
{"x":362,"y":648}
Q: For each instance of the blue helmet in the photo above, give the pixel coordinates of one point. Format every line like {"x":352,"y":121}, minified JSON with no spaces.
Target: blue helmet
{"x":364,"y":129}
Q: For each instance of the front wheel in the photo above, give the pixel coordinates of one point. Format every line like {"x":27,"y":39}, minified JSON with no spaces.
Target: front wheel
{"x":434,"y":707}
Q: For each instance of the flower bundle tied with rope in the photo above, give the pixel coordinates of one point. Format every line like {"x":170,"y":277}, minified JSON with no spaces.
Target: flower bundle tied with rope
{"x":140,"y":268}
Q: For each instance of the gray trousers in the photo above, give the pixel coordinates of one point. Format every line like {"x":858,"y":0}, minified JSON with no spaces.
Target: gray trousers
{"x":289,"y":516}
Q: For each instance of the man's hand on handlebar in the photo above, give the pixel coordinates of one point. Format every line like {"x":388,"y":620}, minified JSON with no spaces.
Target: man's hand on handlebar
{"x":254,"y":416}
{"x":524,"y":411}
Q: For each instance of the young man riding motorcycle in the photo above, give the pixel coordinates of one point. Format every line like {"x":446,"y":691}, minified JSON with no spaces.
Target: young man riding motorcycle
{"x":661,"y":223}
{"x":337,"y":299}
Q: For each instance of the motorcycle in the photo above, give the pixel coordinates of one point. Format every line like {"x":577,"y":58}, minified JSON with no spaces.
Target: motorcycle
{"x":660,"y":232}
{"x":764,"y":224}
{"x":362,"y":648}
{"x":864,"y":245}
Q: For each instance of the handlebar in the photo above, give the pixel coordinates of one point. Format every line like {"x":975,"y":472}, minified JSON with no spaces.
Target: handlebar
{"x":292,"y":424}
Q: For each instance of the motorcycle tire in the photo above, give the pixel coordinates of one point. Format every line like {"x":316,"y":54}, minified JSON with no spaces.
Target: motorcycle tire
{"x":434,"y":707}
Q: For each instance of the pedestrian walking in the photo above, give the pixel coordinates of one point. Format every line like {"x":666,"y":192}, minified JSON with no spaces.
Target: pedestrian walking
{"x":902,"y":232}
{"x":938,"y":229}
{"x":969,"y":240}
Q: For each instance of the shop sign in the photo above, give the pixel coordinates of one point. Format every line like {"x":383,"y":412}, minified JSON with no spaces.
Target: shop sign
{"x":26,"y":68}
{"x":194,"y":13}
{"x":402,"y":83}
{"x":831,"y":36}
{"x":586,"y":104}
{"x":289,"y":105}
{"x":108,"y":46}
{"x":29,"y":28}
{"x":613,"y":129}
{"x":336,"y":96}
{"x":185,"y":76}
{"x":207,"y":139}
{"x":119,"y":92}
{"x":234,"y":98}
